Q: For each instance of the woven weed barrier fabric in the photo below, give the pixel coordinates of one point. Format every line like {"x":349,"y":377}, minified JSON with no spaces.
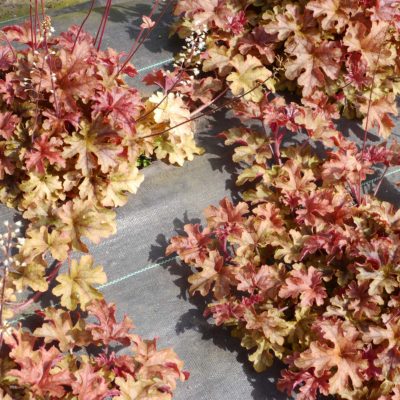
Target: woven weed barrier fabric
{"x":145,"y":284}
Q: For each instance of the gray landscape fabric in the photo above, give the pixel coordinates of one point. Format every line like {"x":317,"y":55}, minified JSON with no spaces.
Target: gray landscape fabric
{"x":152,"y":288}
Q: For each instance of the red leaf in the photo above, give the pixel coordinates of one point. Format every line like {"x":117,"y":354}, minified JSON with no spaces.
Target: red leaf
{"x":122,"y":365}
{"x":36,"y":372}
{"x":19,"y":33}
{"x":160,"y":78}
{"x":338,"y":352}
{"x":236,"y":24}
{"x":8,"y":122}
{"x":119,"y":105}
{"x":306,"y":284}
{"x":89,"y":384}
{"x":44,"y":148}
{"x":6,"y":58}
{"x":227,"y":216}
{"x":107,"y":329}
{"x":192,"y":248}
{"x":388,"y":10}
{"x":309,"y":385}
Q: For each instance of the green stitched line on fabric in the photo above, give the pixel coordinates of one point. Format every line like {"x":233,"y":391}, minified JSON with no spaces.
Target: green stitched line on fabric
{"x":148,"y":268}
{"x":165,"y":261}
{"x":157,"y":64}
{"x":377,"y":179}
{"x":111,"y":283}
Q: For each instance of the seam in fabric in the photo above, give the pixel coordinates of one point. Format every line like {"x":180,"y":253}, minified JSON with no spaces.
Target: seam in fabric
{"x":132,"y":274}
{"x":166,"y":260}
{"x":111,"y":283}
{"x":157,"y":64}
{"x":377,"y":179}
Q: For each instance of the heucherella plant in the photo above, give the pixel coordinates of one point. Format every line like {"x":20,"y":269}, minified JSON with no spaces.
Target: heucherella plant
{"x":334,"y":47}
{"x":306,"y":268}
{"x":72,"y":134}
{"x":72,"y":351}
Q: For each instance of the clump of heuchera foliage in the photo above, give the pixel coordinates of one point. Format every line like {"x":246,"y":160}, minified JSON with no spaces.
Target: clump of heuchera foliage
{"x":338,"y":47}
{"x":72,"y":131}
{"x":306,"y":269}
{"x":73,"y":350}
{"x":72,"y":135}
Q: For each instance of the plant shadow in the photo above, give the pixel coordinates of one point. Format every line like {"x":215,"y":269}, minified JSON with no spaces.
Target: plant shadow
{"x":264,"y":384}
{"x":218,"y":154}
{"x":389,"y":192}
{"x":130,"y":14}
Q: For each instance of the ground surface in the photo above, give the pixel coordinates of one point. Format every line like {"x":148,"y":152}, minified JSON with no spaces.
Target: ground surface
{"x":11,"y":9}
{"x":146,"y":285}
{"x":19,"y":9}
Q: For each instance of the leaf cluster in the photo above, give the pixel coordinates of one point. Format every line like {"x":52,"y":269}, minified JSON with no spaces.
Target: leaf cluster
{"x":73,"y":136}
{"x":69,"y":356}
{"x":341,"y":48}
{"x":305,"y":269}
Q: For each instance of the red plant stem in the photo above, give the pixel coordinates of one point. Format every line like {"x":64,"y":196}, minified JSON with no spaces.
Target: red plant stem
{"x":53,"y":88}
{"x":37,"y":101}
{"x":277,"y":145}
{"x":69,"y":261}
{"x":378,"y":186}
{"x":177,"y":80}
{"x":83,"y":23}
{"x":40,"y":83}
{"x":4,"y":282}
{"x":99,"y":28}
{"x":31,"y":22}
{"x":149,"y":31}
{"x":106,"y":14}
{"x":138,"y":42}
{"x":103,"y":21}
{"x":226,"y":104}
{"x":274,"y":149}
{"x":369,"y":110}
{"x":9,"y":45}
{"x":43,"y":9}
{"x":372,"y":88}
{"x":36,"y":21}
{"x":204,"y":106}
